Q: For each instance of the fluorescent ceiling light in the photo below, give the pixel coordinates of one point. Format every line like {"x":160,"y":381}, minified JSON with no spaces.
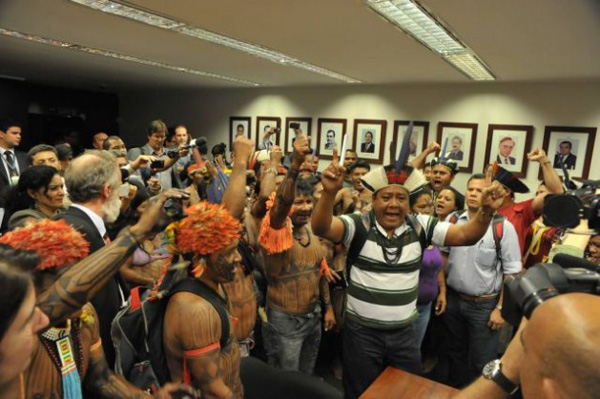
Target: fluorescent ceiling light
{"x":124,"y":57}
{"x":420,"y":24}
{"x":159,"y":21}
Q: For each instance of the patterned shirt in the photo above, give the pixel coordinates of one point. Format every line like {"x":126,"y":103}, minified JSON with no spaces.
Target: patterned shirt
{"x":382,"y":295}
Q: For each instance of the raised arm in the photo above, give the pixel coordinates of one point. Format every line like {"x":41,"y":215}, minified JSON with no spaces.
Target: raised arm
{"x":81,"y":282}
{"x":287,"y":189}
{"x":323,"y":223}
{"x":234,"y":198}
{"x":469,"y":233}
{"x":551,"y":179}
{"x":268,"y":183}
{"x":419,"y":160}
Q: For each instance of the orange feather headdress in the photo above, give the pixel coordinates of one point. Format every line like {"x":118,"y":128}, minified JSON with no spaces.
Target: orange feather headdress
{"x":207,"y":229}
{"x":55,"y":241}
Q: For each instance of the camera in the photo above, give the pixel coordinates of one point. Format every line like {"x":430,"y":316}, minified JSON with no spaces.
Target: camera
{"x":567,"y":210}
{"x":173,"y":208}
{"x":544,"y":281}
{"x":199,"y":143}
{"x":157,"y":164}
{"x":295,"y":126}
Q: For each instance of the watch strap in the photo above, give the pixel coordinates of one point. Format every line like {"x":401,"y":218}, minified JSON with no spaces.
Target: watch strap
{"x":507,"y":385}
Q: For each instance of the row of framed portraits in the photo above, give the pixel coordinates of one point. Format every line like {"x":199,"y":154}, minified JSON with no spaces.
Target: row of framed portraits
{"x":509,"y":145}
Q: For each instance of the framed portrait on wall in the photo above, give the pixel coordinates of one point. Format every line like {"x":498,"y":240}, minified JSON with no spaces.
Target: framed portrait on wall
{"x":509,"y":145}
{"x":239,"y":126}
{"x":263,"y":125}
{"x":329,"y":136}
{"x":370,"y":139}
{"x":305,"y":125}
{"x":461,"y":143}
{"x":570,"y":147}
{"x":418,"y":139}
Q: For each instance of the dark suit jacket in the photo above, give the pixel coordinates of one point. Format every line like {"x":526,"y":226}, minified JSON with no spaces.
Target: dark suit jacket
{"x":511,"y":160}
{"x":108,"y":300}
{"x":367,"y":147}
{"x":456,"y":155}
{"x":569,"y":162}
{"x":22,"y":160}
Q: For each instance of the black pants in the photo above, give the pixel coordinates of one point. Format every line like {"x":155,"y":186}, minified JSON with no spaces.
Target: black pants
{"x":368,"y":351}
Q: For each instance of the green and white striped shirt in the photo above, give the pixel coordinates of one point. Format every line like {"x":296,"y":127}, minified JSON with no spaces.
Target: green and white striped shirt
{"x":380,"y":295}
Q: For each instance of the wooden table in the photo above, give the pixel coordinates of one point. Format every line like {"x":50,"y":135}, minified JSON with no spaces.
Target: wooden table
{"x":394,"y":383}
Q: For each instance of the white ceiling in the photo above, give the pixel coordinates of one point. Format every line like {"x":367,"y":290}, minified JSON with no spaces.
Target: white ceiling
{"x":533,"y":40}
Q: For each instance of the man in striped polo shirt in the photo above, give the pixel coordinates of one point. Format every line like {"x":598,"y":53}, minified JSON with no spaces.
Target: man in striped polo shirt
{"x":384,"y":275}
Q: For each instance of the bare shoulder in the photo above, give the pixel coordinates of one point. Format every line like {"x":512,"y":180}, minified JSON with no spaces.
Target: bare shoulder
{"x":192,"y":320}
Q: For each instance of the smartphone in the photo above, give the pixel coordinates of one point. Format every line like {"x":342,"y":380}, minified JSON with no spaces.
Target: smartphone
{"x":158,"y":163}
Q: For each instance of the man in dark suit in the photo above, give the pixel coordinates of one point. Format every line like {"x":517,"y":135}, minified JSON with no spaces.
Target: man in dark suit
{"x":564,"y":156}
{"x":505,"y":148}
{"x":367,"y":145}
{"x":12,"y":162}
{"x":456,"y":153}
{"x":93,"y":180}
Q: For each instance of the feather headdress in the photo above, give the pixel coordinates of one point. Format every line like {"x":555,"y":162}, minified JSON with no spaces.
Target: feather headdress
{"x":55,"y":241}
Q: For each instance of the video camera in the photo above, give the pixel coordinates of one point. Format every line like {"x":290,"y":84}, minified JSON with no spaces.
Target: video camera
{"x":567,"y":210}
{"x":546,"y":280}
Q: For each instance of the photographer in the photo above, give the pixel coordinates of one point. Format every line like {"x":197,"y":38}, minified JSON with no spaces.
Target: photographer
{"x":554,"y":355}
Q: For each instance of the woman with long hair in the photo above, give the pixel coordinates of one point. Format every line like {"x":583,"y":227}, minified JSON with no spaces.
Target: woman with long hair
{"x":38,"y":195}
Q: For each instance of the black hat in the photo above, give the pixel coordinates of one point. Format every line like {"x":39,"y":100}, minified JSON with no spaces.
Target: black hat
{"x":508,"y":179}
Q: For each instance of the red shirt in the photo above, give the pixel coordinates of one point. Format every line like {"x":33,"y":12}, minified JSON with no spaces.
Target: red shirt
{"x":521,"y":215}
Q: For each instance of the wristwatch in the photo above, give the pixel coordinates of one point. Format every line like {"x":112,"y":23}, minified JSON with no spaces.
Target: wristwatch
{"x":493,"y":371}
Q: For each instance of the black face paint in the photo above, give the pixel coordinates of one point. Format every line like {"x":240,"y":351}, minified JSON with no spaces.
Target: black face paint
{"x":224,"y":269}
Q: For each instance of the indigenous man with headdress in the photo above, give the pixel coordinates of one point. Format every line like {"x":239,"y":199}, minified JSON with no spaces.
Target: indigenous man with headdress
{"x":385,"y":249}
{"x":192,"y":329}
{"x":293,"y":259}
{"x":69,"y":356}
{"x":443,"y":170}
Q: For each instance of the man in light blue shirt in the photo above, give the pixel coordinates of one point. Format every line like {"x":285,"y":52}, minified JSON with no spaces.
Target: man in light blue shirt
{"x":474,"y":277}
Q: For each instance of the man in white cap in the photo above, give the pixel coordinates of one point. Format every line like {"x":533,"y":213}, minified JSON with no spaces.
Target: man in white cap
{"x":384,"y":256}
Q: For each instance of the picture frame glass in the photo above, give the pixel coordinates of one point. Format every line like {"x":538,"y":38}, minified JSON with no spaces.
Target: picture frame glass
{"x":416,"y":140}
{"x":573,"y":157}
{"x":508,"y":149}
{"x":368,"y":140}
{"x":459,"y":144}
{"x":239,"y":127}
{"x":331,"y":136}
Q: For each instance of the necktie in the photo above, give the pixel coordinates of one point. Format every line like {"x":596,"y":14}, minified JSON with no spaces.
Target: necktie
{"x":506,"y":160}
{"x":10,"y":161}
{"x":106,"y":239}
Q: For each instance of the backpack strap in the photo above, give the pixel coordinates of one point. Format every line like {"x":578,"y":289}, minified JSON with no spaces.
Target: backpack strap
{"x":498,"y":233}
{"x":197,"y":287}
{"x":358,"y":241}
{"x":453,"y":217}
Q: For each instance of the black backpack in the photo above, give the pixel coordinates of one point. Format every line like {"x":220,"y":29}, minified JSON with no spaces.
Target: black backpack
{"x":137,"y":331}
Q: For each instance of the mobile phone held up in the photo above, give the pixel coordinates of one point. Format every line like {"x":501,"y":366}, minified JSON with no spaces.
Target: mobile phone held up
{"x":157,"y":164}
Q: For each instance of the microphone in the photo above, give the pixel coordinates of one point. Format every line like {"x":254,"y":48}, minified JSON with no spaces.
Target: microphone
{"x":570,"y":261}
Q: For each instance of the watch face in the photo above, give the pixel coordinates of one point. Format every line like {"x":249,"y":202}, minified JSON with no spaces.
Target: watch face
{"x":490,"y":369}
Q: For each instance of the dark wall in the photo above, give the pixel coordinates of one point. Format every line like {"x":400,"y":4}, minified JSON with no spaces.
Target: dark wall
{"x":51,"y":113}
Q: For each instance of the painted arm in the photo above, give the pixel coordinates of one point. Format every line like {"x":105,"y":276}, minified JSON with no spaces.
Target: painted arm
{"x":268,"y":184}
{"x":234,"y":198}
{"x":287,"y":189}
{"x":199,"y":340}
{"x":81,"y":282}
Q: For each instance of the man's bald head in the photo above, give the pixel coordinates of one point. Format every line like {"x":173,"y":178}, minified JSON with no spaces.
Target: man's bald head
{"x":562,"y":348}
{"x":88,"y":174}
